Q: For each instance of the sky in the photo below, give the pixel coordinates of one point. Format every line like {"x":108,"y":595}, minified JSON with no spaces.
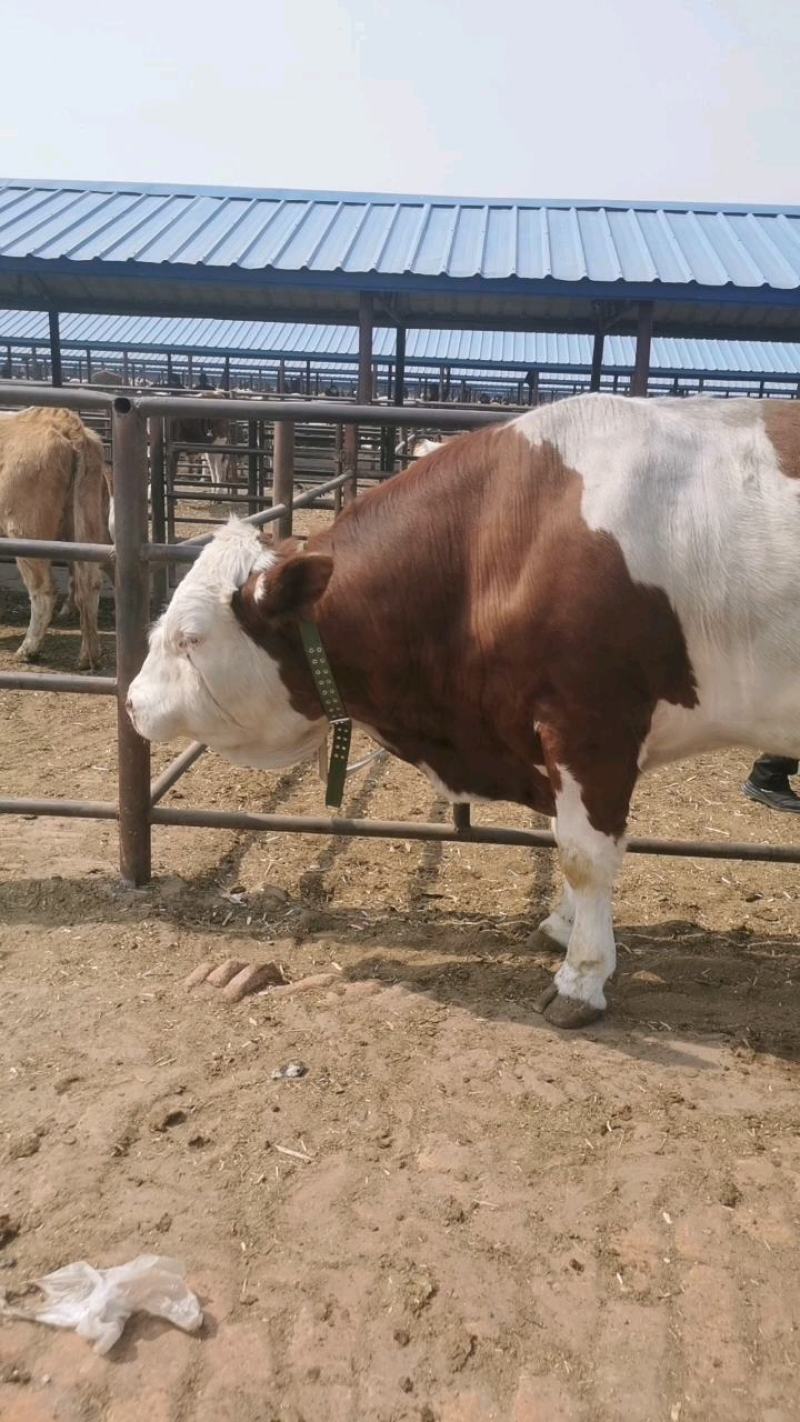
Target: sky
{"x":694,"y":100}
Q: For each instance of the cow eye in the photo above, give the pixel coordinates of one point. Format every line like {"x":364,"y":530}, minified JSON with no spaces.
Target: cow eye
{"x":188,"y":640}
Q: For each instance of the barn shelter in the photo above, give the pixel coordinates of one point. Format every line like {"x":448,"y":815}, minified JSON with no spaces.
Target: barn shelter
{"x":380,"y":260}
{"x":317,"y":359}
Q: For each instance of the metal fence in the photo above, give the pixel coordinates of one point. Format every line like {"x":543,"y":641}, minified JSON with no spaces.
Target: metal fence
{"x":135,"y":554}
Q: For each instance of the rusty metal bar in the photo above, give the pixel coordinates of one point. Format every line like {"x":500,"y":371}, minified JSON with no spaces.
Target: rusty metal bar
{"x":283,"y":478}
{"x":56,"y":377}
{"x":133,"y":608}
{"x":644,"y":337}
{"x":62,"y":809}
{"x":49,"y":548}
{"x":173,"y":772}
{"x":394,"y":829}
{"x":477,"y":834}
{"x":54,"y":681}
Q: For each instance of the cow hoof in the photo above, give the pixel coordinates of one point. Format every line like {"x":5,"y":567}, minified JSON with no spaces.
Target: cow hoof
{"x":570,"y":1012}
{"x":544,"y":999}
{"x":24,"y":654}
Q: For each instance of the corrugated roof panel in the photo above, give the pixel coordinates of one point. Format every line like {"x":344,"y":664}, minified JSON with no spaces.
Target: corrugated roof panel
{"x":354,"y":233}
{"x":568,"y":259}
{"x":520,"y":350}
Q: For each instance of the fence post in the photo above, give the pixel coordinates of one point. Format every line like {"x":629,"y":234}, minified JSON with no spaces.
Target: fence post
{"x":252,"y":467}
{"x":283,"y":473}
{"x":160,"y":579}
{"x":129,"y":441}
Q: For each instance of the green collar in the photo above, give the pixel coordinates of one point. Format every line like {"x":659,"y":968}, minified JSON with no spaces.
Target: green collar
{"x":334,"y":709}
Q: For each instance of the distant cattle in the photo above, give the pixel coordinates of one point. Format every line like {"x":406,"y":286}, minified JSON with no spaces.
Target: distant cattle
{"x":54,"y":486}
{"x":213,"y":431}
{"x":535,"y":612}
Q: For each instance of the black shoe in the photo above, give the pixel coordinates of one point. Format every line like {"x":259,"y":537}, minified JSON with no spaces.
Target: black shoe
{"x":784,"y":800}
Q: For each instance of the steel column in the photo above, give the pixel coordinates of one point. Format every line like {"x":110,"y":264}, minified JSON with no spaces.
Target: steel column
{"x":252,"y":467}
{"x":644,"y":337}
{"x":597,"y":359}
{"x":350,"y":490}
{"x":160,"y":587}
{"x":55,"y":349}
{"x":283,"y":474}
{"x":132,"y":588}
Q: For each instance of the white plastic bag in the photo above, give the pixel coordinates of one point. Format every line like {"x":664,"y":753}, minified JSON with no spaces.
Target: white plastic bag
{"x":97,"y":1303}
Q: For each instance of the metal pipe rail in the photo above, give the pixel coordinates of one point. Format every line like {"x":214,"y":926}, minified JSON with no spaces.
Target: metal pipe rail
{"x":191,"y":548}
{"x":342,"y":828}
{"x":69,"y":552}
{"x":55,"y":681}
{"x":319,"y":411}
{"x":173,"y":772}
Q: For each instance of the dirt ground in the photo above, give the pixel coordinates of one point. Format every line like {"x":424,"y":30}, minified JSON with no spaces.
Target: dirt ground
{"x":483,"y":1218}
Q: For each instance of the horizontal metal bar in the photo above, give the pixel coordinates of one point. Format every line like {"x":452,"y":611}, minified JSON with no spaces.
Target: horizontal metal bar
{"x":206,"y":496}
{"x":18,"y":392}
{"x":173,"y":772}
{"x":62,"y":809}
{"x":187,"y":551}
{"x":53,"y":681}
{"x":70,"y":552}
{"x":335,"y":412}
{"x":394,"y":829}
{"x":476,"y":834}
{"x":185,"y":446}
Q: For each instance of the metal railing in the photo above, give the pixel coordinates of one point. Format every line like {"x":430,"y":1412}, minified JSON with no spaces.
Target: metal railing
{"x":138,"y":807}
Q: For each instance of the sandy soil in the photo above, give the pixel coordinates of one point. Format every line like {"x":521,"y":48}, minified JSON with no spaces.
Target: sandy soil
{"x":484,"y":1218}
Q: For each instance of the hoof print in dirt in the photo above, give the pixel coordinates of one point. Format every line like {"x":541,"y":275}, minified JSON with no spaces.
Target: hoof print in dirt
{"x":236,"y":978}
{"x":567,"y":1012}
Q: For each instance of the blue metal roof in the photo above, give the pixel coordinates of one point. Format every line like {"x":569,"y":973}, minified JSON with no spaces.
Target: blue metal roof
{"x":139,"y":243}
{"x":375,"y":233}
{"x":511,"y":350}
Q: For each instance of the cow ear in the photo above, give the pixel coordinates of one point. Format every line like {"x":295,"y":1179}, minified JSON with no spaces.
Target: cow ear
{"x":292,"y":587}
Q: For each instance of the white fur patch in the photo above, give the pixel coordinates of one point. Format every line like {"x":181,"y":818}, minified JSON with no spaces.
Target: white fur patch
{"x":693,"y":493}
{"x":590,"y":861}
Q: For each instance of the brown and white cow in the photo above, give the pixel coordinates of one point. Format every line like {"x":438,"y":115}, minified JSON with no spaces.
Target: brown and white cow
{"x":535,"y":613}
{"x":53,"y":486}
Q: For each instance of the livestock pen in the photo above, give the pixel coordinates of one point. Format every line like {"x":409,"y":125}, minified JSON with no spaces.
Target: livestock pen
{"x":456,"y":1212}
{"x":134,"y":555}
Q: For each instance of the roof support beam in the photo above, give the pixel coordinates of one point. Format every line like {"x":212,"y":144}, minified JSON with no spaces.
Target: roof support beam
{"x":55,"y":349}
{"x":597,"y":359}
{"x":644,"y":337}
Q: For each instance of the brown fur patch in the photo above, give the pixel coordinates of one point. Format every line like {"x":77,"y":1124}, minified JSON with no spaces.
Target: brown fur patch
{"x":470,"y":600}
{"x":782,"y":423}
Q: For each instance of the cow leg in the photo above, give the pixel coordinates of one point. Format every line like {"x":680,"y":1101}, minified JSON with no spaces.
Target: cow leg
{"x":37,"y":576}
{"x":68,"y":606}
{"x":88,"y":579}
{"x":558,"y":924}
{"x":590,"y":859}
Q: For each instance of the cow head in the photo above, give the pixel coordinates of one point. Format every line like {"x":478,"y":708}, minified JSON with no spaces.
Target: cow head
{"x":206,"y":678}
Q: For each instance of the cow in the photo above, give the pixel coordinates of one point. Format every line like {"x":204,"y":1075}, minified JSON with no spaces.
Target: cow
{"x":53,"y":486}
{"x":216,"y":433}
{"x":535,"y":612}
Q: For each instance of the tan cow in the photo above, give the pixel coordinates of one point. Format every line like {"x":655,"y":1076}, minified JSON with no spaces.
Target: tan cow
{"x":52,"y":487}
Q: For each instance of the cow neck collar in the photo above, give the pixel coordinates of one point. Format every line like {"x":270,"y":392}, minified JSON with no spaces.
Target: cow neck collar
{"x":333,"y":706}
